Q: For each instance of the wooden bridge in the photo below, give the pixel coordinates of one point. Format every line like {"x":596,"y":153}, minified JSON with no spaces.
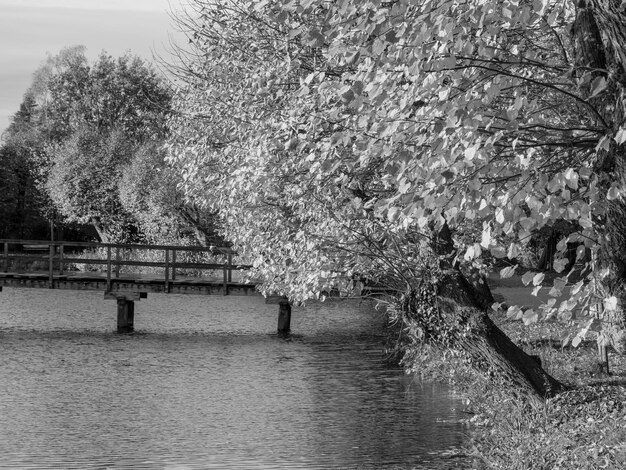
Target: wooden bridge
{"x":127,"y":273}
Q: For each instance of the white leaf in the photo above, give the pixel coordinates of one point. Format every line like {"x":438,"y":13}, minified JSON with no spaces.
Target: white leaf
{"x":560,"y":264}
{"x":486,"y":238}
{"x":393,"y":214}
{"x":472,"y":252}
{"x":576,"y":288}
{"x":470,"y":153}
{"x":610,"y":303}
{"x":508,"y":272}
{"x":613,"y":193}
{"x":513,"y":311}
{"x":500,"y":215}
{"x":571,"y":178}
{"x":513,"y":251}
{"x":620,"y":136}
{"x":598,"y":86}
{"x":565,"y":340}
{"x":530,"y":316}
{"x":527,"y":277}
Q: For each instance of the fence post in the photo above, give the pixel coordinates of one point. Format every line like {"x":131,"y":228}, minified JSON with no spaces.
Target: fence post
{"x":117,"y":262}
{"x":173,"y":265}
{"x":61,"y":258}
{"x":226,"y":278}
{"x":167,"y":269}
{"x":230,"y":267}
{"x":6,"y":257}
{"x":51,"y":266}
{"x":109,"y":268}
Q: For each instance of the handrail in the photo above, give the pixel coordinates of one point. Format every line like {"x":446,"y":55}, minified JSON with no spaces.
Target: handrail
{"x":222,"y":249}
{"x":57,"y":255}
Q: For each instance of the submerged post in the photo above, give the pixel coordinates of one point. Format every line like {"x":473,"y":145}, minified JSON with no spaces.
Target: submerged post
{"x":284,"y":316}
{"x":125,"y":315}
{"x":125,"y":308}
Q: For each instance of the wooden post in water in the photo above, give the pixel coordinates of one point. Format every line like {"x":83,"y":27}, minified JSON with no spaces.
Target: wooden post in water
{"x":125,"y":308}
{"x":125,"y":315}
{"x":284,"y":316}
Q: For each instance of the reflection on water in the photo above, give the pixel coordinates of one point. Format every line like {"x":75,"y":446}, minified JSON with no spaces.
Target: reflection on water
{"x":205,"y":383}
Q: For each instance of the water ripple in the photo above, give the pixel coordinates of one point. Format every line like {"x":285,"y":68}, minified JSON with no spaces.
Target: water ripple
{"x":206,"y":384}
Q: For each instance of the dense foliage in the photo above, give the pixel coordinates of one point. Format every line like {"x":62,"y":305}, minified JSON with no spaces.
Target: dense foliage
{"x":337,"y":139}
{"x":89,"y":138}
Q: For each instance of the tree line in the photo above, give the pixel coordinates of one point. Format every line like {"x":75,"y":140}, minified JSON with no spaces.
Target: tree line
{"x":85,"y":151}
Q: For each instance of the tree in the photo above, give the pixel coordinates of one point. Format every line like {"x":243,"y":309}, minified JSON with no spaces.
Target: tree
{"x":408,"y":144}
{"x":149,"y":191}
{"x":22,"y":207}
{"x":83,"y":182}
{"x":94,"y":118}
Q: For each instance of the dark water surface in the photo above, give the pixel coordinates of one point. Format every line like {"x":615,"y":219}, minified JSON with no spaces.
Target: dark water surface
{"x":204,"y":382}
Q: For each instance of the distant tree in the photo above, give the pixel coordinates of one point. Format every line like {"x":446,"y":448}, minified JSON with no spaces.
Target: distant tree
{"x":149,"y":190}
{"x":87,"y":140}
{"x":83,"y":182}
{"x":93,"y":118}
{"x":22,"y":206}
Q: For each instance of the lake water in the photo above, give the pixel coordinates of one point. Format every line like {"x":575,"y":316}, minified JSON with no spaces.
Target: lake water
{"x":204,"y":382}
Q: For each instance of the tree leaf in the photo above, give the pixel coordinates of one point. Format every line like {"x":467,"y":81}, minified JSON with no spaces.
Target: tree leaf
{"x":530,"y":316}
{"x":598,"y":85}
{"x":528,"y":277}
{"x":508,"y":272}
{"x":620,"y":136}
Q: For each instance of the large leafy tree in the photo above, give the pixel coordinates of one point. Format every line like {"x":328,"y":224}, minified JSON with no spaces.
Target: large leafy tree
{"x":412,"y":144}
{"x":94,"y":119}
{"x":22,"y":207}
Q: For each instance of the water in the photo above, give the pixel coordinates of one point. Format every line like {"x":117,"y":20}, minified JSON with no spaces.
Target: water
{"x":205,"y":383}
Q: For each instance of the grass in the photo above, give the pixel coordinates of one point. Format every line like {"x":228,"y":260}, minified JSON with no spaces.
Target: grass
{"x":583,"y":428}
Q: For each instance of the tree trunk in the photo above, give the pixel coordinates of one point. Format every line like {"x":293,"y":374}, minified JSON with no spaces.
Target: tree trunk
{"x":104,"y":237}
{"x":610,"y":17}
{"x":485,"y":343}
{"x":600,"y":36}
{"x":460,"y":319}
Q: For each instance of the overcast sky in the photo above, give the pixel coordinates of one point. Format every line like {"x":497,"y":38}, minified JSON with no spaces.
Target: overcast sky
{"x":29,"y":29}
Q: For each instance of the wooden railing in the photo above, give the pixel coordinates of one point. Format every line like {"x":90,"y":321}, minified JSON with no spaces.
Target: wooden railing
{"x":56,"y":256}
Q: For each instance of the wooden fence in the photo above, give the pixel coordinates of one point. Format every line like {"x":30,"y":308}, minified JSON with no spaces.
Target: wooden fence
{"x":57,"y":256}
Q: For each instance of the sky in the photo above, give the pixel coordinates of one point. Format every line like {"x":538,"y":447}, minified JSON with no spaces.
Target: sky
{"x":32,"y":29}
